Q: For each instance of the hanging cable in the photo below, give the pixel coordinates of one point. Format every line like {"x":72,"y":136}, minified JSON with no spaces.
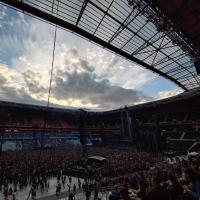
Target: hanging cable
{"x":47,"y":105}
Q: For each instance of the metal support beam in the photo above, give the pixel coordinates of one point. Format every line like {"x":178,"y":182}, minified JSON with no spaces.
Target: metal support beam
{"x":181,"y":140}
{"x":177,"y":69}
{"x":176,"y":57}
{"x":134,"y":35}
{"x":125,"y":24}
{"x":103,"y":17}
{"x":158,"y":50}
{"x":192,"y":146}
{"x":166,"y":57}
{"x":146,"y":44}
{"x":81,"y":12}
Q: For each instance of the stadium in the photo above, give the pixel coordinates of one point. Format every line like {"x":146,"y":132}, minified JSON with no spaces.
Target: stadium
{"x":78,"y":129}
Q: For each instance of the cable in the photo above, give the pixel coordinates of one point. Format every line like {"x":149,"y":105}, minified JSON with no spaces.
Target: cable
{"x":47,"y":106}
{"x":1,"y":145}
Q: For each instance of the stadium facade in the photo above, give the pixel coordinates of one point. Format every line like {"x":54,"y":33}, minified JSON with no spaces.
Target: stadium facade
{"x":172,"y":123}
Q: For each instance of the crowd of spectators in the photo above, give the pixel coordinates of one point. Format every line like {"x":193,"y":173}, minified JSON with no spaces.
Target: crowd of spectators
{"x":23,"y":168}
{"x":165,"y":181}
{"x":122,"y":162}
{"x":130,"y":175}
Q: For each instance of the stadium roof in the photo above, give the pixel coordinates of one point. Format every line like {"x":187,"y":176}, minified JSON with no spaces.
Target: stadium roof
{"x":160,"y":35}
{"x":12,"y":105}
{"x":185,"y":15}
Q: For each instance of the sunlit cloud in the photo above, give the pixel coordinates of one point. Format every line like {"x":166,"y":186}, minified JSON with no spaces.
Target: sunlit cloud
{"x":170,"y":93}
{"x":84,"y":74}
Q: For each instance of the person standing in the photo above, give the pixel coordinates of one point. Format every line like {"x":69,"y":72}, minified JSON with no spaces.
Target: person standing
{"x":71,"y":196}
{"x":69,"y":187}
{"x":74,"y":189}
{"x":87,"y":194}
{"x":96,"y":193}
{"x":79,"y":183}
{"x":33,"y":193}
{"x":70,"y":180}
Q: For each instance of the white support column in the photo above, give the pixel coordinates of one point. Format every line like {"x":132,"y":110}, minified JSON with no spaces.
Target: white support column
{"x":129,"y":123}
{"x":122,"y":122}
{"x":193,"y":145}
{"x":182,"y":136}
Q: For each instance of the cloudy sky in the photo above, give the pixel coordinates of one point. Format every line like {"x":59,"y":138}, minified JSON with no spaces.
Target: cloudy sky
{"x":84,"y":76}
